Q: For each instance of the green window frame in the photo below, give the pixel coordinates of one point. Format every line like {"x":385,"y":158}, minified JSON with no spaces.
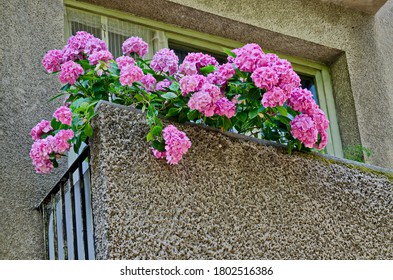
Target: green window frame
{"x":159,"y":35}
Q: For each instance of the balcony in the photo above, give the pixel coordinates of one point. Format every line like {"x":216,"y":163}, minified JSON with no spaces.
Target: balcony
{"x":231,"y":197}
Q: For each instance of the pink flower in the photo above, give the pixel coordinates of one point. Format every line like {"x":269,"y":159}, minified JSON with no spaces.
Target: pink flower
{"x":265,"y":77}
{"x":235,"y":99}
{"x":130,"y":74}
{"x":63,"y":114}
{"x":40,"y":129}
{"x":95,"y":45}
{"x":301,"y":100}
{"x":165,"y":60}
{"x":70,"y":72}
{"x":319,"y":117}
{"x":194,"y":61}
{"x":225,"y":107}
{"x":324,"y":140}
{"x":163,"y":85}
{"x":222,"y":74}
{"x":52,"y":60}
{"x":188,"y":68}
{"x":39,"y":154}
{"x":157,"y":154}
{"x":123,"y":61}
{"x":76,"y":45}
{"x":149,"y":82}
{"x":274,"y":97}
{"x":176,"y":144}
{"x":96,"y":57}
{"x":248,"y":57}
{"x":304,"y":129}
{"x":60,"y":143}
{"x":135,"y":45}
{"x":191,"y":83}
{"x":205,"y":100}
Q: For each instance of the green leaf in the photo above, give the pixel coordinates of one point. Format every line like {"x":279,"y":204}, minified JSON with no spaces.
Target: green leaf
{"x":169,"y":95}
{"x":65,"y":87}
{"x":76,"y":104}
{"x":55,"y":124}
{"x":227,"y":123}
{"x":56,"y":96}
{"x":174,"y":87}
{"x":193,"y":114}
{"x":242,"y":116}
{"x":160,"y":146}
{"x":149,"y":136}
{"x":229,"y":52}
{"x":284,"y":120}
{"x":173,"y":112}
{"x":207,"y":69}
{"x":157,"y":130}
{"x":253,"y":113}
{"x":282,"y":110}
{"x":88,"y":130}
{"x":98,"y":86}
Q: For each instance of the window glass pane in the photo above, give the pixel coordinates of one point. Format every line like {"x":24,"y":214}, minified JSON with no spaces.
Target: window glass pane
{"x":82,"y":21}
{"x":309,"y":83}
{"x":119,"y":31}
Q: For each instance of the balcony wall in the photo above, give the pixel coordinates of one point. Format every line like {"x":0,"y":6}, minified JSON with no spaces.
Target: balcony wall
{"x":231,"y":197}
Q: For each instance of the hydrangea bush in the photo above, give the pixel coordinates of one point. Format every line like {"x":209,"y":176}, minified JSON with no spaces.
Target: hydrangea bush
{"x":254,"y":93}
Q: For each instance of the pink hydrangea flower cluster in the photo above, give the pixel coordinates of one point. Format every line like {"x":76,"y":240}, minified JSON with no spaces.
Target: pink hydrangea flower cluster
{"x":130,"y":74}
{"x":70,"y":72}
{"x":163,"y":85}
{"x":191,"y":83}
{"x":135,"y":45}
{"x":274,"y":97}
{"x":52,"y":60}
{"x":265,"y":77}
{"x":123,"y":61}
{"x":42,"y":149}
{"x":63,"y":114}
{"x":96,"y":57}
{"x":40,"y":129}
{"x":222,"y":74}
{"x":149,"y":82}
{"x":95,"y":45}
{"x":301,"y":100}
{"x":165,"y":60}
{"x":194,"y":61}
{"x":176,"y":145}
{"x":60,"y":141}
{"x":209,"y":101}
{"x":303,"y":128}
{"x":248,"y":57}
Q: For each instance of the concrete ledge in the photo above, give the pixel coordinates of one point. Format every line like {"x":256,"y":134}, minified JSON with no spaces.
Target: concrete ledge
{"x":232,"y":197}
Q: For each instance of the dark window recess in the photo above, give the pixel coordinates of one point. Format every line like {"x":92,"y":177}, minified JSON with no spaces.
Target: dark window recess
{"x":182,"y":50}
{"x":309,"y":83}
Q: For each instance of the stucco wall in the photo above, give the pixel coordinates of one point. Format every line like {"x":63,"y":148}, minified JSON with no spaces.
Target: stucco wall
{"x":28,"y":29}
{"x":231,"y":198}
{"x":316,"y":30}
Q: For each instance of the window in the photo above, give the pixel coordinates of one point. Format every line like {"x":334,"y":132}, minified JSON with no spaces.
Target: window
{"x":114,"y":27}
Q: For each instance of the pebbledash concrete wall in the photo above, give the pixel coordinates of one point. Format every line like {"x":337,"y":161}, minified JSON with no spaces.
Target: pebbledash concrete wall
{"x":231,"y":197}
{"x":357,"y":46}
{"x":28,"y":28}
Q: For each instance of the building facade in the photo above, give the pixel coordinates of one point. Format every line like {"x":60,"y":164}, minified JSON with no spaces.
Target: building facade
{"x":343,"y":50}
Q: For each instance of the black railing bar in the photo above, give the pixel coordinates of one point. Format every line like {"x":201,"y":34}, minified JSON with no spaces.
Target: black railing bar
{"x":44,"y":211}
{"x":72,"y":200}
{"x":65,"y":177}
{"x":64,"y":223}
{"x":54,"y":224}
{"x":83,"y":204}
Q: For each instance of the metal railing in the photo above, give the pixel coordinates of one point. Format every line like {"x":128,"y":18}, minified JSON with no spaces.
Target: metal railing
{"x":67,"y":214}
